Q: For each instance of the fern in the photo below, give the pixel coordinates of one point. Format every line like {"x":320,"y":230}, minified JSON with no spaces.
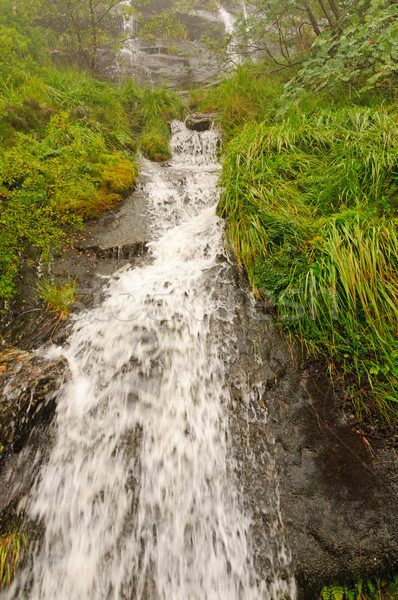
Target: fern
{"x":338,"y":592}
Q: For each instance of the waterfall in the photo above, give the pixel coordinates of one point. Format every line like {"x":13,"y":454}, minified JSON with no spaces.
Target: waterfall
{"x":137,"y":501}
{"x":229,"y":25}
{"x":228,"y":20}
{"x":129,"y":53}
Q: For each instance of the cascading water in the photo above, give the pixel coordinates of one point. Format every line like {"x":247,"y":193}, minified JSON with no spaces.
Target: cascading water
{"x":129,"y":53}
{"x":229,"y":25}
{"x":228,"y":20}
{"x":137,"y":500}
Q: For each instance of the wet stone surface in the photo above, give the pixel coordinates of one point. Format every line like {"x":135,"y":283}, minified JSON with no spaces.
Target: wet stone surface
{"x":28,"y":384}
{"x":338,"y":491}
{"x":201,"y":121}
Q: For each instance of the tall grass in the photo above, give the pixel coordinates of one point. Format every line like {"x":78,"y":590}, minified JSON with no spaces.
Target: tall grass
{"x":311,"y":201}
{"x":248,"y":95}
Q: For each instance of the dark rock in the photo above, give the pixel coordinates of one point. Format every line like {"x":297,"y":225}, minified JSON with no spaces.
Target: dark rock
{"x":28,"y":385}
{"x":201,"y":121}
{"x":34,"y":328}
{"x":338,"y":494}
{"x":126,"y":251}
{"x":19,"y":472}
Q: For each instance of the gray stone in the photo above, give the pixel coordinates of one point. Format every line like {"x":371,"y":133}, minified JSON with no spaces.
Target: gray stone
{"x":201,"y":121}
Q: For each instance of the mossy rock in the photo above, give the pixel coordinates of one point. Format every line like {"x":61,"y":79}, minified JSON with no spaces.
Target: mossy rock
{"x":117,"y":176}
{"x":155,"y":147}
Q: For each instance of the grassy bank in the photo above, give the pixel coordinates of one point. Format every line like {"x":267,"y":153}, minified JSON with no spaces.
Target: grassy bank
{"x":67,"y":145}
{"x":310,"y":192}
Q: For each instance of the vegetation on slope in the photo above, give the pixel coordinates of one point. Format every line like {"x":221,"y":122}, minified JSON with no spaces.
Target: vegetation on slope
{"x":310,"y":192}
{"x":67,"y":144}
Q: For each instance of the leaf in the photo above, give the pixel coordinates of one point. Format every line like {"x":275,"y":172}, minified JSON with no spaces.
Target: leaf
{"x":350,"y":594}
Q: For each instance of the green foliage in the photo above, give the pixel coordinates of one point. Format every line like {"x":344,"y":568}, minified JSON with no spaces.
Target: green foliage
{"x":67,"y":144}
{"x":12,"y":548}
{"x":58,"y":297}
{"x":336,"y":592}
{"x":364,"y":54}
{"x":380,"y":589}
{"x":311,"y":205}
{"x":249,"y":95}
{"x":164,"y":25}
{"x":150,"y":111}
{"x":155,"y":147}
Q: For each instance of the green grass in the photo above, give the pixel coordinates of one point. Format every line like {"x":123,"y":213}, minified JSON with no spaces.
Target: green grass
{"x":311,"y":199}
{"x":58,"y":298}
{"x":248,"y":95}
{"x":150,"y":111}
{"x":12,"y":548}
{"x":68,"y":144}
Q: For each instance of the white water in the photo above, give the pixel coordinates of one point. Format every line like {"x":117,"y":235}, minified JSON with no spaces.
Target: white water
{"x":229,"y":25}
{"x":129,"y":54}
{"x":136,"y":500}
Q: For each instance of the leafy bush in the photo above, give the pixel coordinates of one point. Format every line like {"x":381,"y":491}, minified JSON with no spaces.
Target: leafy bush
{"x":48,"y":185}
{"x":364,"y":54}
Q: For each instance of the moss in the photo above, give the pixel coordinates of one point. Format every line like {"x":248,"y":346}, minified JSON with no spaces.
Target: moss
{"x":114,"y":178}
{"x":155,"y":147}
{"x":119,"y":175}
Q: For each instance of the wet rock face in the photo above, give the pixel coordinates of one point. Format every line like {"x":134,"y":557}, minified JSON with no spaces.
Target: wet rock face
{"x":28,"y":383}
{"x":338,"y":491}
{"x":201,"y":121}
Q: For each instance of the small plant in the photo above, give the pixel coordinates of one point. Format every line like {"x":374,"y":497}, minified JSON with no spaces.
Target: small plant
{"x":338,"y":592}
{"x":12,"y":548}
{"x":372,"y":589}
{"x":58,"y":298}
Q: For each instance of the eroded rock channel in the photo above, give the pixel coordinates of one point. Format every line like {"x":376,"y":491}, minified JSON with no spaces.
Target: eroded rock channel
{"x":169,"y":445}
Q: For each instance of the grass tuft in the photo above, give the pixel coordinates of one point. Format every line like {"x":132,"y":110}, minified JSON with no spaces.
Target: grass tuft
{"x":58,"y":297}
{"x":12,"y":548}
